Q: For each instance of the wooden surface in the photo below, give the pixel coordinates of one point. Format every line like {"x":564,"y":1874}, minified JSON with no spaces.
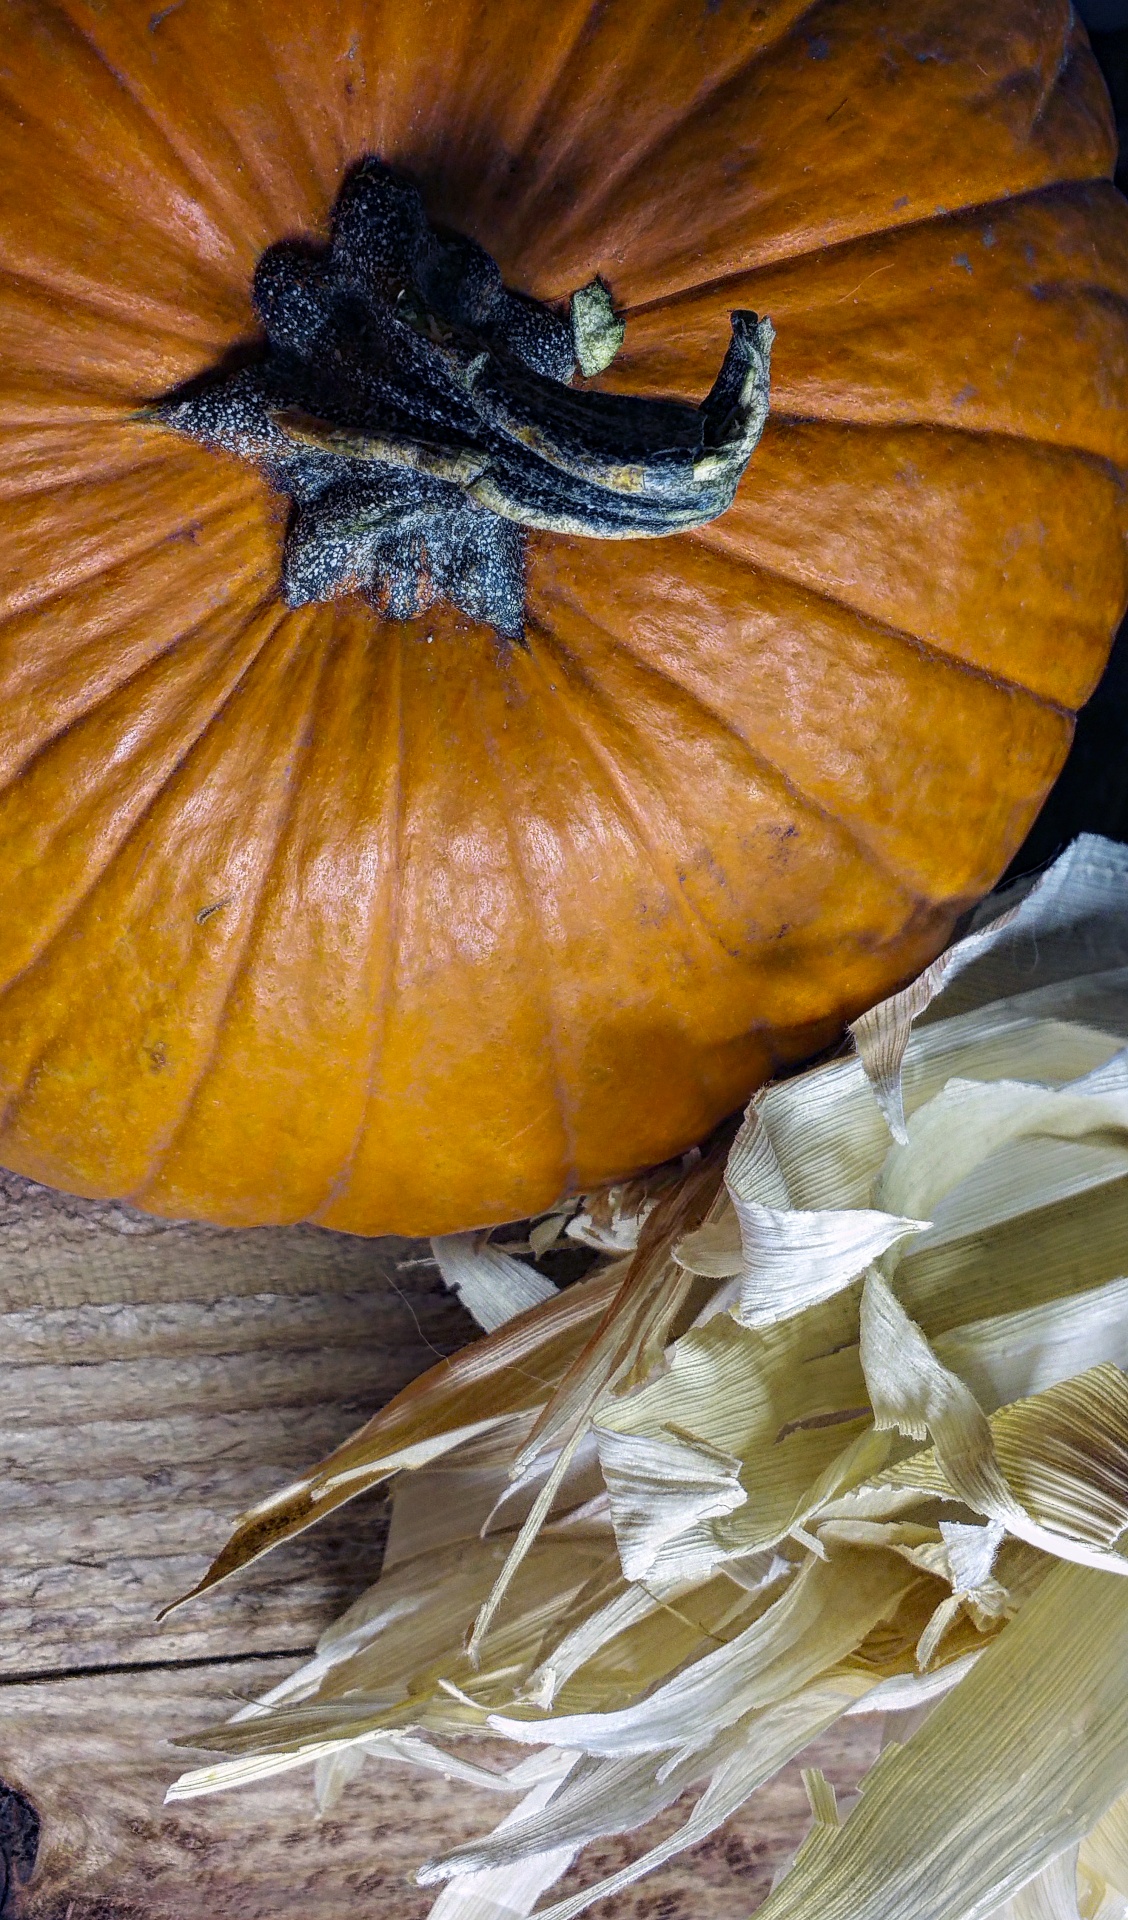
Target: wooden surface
{"x":157,"y":1379}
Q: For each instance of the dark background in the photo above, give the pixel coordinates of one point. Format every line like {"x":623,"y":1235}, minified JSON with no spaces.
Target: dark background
{"x":1092,"y":792}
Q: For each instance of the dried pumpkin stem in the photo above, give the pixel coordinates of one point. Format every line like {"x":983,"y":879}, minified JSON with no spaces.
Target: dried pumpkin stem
{"x":418,"y":414}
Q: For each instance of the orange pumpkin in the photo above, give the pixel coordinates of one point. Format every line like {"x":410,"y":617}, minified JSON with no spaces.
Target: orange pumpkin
{"x":393,"y":925}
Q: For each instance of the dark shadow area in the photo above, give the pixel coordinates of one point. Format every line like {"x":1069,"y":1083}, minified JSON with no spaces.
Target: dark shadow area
{"x":19,"y":1844}
{"x":1111,"y":49}
{"x":1091,"y":793}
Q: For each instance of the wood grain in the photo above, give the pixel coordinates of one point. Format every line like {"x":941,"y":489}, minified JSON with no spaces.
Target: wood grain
{"x":158,"y":1378}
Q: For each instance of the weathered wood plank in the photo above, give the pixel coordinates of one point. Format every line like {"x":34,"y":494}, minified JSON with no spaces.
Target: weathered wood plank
{"x":59,"y":1251}
{"x":262,"y":1323}
{"x":87,"y":1394}
{"x":171,"y":1375}
{"x":100,"y":1611}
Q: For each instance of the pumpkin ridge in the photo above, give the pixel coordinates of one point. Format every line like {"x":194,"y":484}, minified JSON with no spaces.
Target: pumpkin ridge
{"x":917,"y":642}
{"x":877,"y":421}
{"x":638,"y":157}
{"x":842,"y":823}
{"x":879,"y":425}
{"x":1102,"y":296}
{"x":764,"y":764}
{"x":625,"y":804}
{"x":553,"y":1053}
{"x":96,"y":410}
{"x":77,"y":291}
{"x":124,"y":467}
{"x":81,"y":899}
{"x":129,"y":90}
{"x":31,"y":601}
{"x":593,"y":211}
{"x":20,"y":769}
{"x":299,"y":122}
{"x":721,"y":283}
{"x":585,"y":14}
{"x":880,"y":332}
{"x":1102,"y":461}
{"x":1068,"y":54}
{"x":98,"y":642}
{"x":104,"y":463}
{"x":840,"y":829}
{"x":10,"y":1104}
{"x":78,"y":33}
{"x":339,"y":1186}
{"x":162,"y":1152}
{"x":847,"y":533}
{"x":227,"y":217}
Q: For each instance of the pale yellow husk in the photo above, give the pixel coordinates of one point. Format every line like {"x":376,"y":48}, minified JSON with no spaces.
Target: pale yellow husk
{"x":838,"y":1425}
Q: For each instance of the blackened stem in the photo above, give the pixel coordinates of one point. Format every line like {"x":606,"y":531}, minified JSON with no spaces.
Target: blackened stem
{"x":420,"y":417}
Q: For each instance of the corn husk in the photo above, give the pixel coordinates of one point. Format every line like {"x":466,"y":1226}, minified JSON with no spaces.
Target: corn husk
{"x":838,"y":1424}
{"x":491,"y":1284}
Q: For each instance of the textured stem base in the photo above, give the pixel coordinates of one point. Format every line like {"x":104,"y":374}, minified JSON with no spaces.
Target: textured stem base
{"x":418,"y":414}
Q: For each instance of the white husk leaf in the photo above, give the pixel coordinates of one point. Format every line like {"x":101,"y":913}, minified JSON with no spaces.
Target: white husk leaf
{"x":1046,"y":1704}
{"x":848,"y":1433}
{"x":775,"y":1740}
{"x":1050,"y":1895}
{"x":512,"y":1893}
{"x":1076,"y":911}
{"x":490,"y":1283}
{"x":911,"y":1390}
{"x":1103,"y":1864}
{"x":778,"y":1656}
{"x":659,"y":1488}
{"x":785,"y":1259}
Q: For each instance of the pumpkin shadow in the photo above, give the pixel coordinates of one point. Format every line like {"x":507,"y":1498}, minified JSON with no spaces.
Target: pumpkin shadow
{"x":234,"y":359}
{"x":1090,"y":794}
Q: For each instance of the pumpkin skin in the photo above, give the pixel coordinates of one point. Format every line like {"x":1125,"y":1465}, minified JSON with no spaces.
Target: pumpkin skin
{"x":395,"y":927}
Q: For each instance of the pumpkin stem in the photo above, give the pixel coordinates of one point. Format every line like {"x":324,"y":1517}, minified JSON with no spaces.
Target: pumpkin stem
{"x":418,"y":414}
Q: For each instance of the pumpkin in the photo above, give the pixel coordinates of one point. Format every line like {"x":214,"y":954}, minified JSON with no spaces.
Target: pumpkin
{"x":405,"y":924}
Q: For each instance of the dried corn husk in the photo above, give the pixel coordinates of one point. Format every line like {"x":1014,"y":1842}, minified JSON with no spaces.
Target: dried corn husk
{"x":843,"y":1429}
{"x":490,"y":1283}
